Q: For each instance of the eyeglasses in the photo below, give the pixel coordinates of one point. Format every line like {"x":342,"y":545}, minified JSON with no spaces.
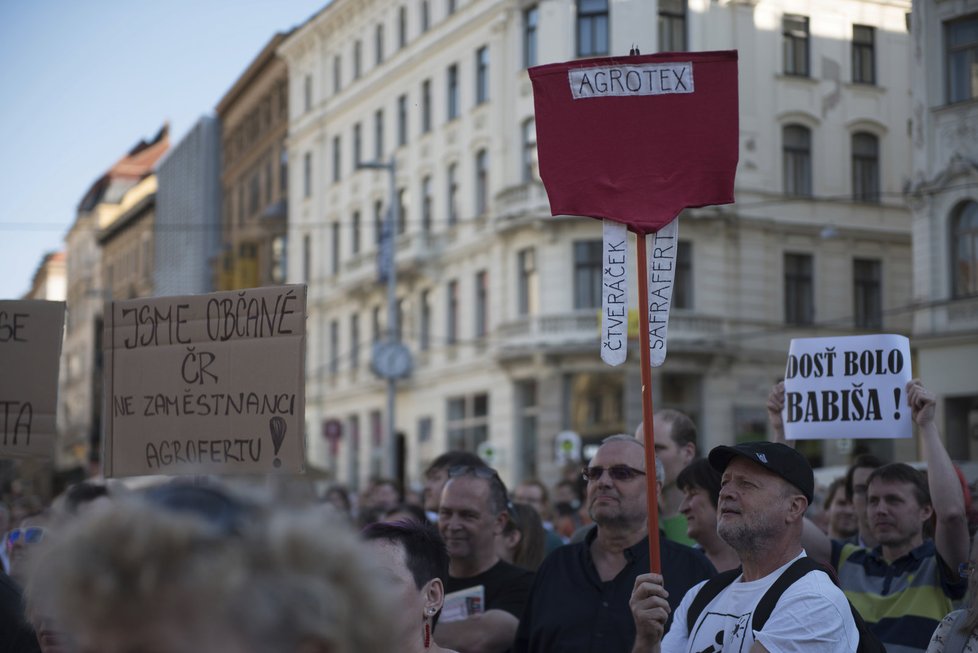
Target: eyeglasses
{"x":30,"y":535}
{"x":966,"y":569}
{"x":616,"y":472}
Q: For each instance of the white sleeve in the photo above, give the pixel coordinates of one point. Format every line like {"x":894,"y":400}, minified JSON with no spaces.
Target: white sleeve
{"x":677,"y":639}
{"x":812,"y":615}
{"x":940,"y":634}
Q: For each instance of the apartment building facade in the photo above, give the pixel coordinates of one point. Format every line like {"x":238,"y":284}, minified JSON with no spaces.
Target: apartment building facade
{"x":943,"y":195}
{"x":498,"y":300}
{"x":254,"y":117}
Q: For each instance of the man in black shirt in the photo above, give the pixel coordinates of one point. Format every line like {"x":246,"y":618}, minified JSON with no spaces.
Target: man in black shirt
{"x":579,"y":599}
{"x":472,"y":512}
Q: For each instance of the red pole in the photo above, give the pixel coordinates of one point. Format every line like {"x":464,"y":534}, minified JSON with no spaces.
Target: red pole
{"x":649,"y":431}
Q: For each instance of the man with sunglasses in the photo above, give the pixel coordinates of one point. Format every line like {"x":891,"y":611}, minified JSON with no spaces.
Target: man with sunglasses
{"x":579,"y":600}
{"x":472,"y":512}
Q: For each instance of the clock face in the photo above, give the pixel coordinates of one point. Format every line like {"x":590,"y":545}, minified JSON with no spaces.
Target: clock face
{"x":392,"y":360}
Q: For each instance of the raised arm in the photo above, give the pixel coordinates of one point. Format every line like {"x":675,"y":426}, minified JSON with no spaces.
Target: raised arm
{"x":947,"y":498}
{"x":775,"y":404}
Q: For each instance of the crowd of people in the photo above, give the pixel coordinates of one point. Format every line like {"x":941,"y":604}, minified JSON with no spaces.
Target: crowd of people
{"x":754,"y":557}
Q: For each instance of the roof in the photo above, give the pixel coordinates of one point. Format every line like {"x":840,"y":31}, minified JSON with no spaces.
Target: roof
{"x":124,"y":173}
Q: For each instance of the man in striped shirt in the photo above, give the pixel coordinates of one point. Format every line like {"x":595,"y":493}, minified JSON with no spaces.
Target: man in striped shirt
{"x":906,"y":584}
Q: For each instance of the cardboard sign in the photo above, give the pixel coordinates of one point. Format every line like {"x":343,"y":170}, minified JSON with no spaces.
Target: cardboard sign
{"x":847,"y":387}
{"x":31,"y":332}
{"x":637,"y":139}
{"x":206,"y":383}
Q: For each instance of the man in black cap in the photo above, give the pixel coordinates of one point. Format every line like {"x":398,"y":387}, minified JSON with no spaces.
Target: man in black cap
{"x":765,"y":489}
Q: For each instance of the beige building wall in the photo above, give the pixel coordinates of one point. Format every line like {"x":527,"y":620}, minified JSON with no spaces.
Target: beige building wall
{"x":536,"y":370}
{"x":127,"y":245}
{"x":254,"y":170}
{"x":942,"y":189}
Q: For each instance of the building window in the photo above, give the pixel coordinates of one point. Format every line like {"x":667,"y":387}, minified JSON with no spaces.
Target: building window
{"x":426,"y":428}
{"x":254,"y":193}
{"x":334,"y":265}
{"x":452,"y":185}
{"x":357,"y":59}
{"x":379,"y":135}
{"x":961,"y":37}
{"x":357,"y":145}
{"x":379,"y":44}
{"x":337,"y":159}
{"x":379,"y":220}
{"x":795,"y":31}
{"x":867,"y":293}
{"x":682,"y":290}
{"x":529,"y":151}
{"x":426,"y":202}
{"x":306,"y":258}
{"x":334,"y":347}
{"x":283,"y":169}
{"x":401,"y":26}
{"x":452,"y":85}
{"x":355,"y":341}
{"x":482,"y":75}
{"x":587,"y":274}
{"x":402,"y":210}
{"x":424,"y":332}
{"x":964,"y":250}
{"x":481,"y":182}
{"x":279,"y":259}
{"x":337,"y":74}
{"x":531,"y":18}
{"x":481,"y":304}
{"x":451,"y":312}
{"x":467,"y":421}
{"x":426,"y":106}
{"x":527,"y":412}
{"x":402,"y":120}
{"x":672,"y":25}
{"x":355,"y":233}
{"x":592,"y":27}
{"x":799,"y":290}
{"x":425,"y":16}
{"x":863,"y":54}
{"x":797,"y":163}
{"x":527,"y":302}
{"x":375,"y":324}
{"x":865,"y":167}
{"x":307,"y":175}
{"x":449,"y":7}
{"x":307,"y":93}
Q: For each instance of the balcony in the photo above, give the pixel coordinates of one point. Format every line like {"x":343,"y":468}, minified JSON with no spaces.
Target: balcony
{"x":518,"y":203}
{"x":412,"y":252}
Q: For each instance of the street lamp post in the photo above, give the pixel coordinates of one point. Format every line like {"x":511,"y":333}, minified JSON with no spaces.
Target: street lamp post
{"x":391,"y":359}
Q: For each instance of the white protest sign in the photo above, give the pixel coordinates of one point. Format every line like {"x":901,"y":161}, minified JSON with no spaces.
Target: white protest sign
{"x":614,"y":293}
{"x":31,"y":332}
{"x":206,"y":383}
{"x":661,"y":258}
{"x":847,"y":387}
{"x":631,"y":80}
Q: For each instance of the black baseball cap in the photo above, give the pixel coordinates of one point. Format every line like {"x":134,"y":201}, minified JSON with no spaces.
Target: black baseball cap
{"x":773,"y":456}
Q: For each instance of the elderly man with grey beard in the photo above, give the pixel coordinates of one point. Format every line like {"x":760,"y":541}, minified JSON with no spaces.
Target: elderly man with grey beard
{"x":764,"y":490}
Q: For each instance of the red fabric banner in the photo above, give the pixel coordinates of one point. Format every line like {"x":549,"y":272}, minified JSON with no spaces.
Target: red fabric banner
{"x":637,"y":139}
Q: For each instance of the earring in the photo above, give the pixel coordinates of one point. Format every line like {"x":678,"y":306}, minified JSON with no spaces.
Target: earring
{"x":427,"y":634}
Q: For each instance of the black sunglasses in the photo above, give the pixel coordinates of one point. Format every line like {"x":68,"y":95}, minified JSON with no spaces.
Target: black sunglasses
{"x":616,"y":472}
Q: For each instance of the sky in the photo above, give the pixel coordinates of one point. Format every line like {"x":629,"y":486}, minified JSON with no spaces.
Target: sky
{"x":84,"y":80}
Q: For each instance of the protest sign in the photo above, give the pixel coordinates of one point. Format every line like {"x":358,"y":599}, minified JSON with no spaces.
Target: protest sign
{"x":661,"y":261}
{"x":206,"y":383}
{"x":614,"y":293}
{"x":31,"y":332}
{"x":847,"y":387}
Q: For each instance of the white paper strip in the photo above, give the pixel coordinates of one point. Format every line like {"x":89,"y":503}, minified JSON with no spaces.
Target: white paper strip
{"x":614,"y":294}
{"x":661,"y":257}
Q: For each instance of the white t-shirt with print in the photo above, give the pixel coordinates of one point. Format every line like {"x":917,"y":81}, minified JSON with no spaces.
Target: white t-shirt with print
{"x":812,"y":615}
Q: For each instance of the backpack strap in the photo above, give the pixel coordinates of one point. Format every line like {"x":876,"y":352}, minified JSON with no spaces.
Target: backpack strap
{"x":707,"y":593}
{"x":800,"y":567}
